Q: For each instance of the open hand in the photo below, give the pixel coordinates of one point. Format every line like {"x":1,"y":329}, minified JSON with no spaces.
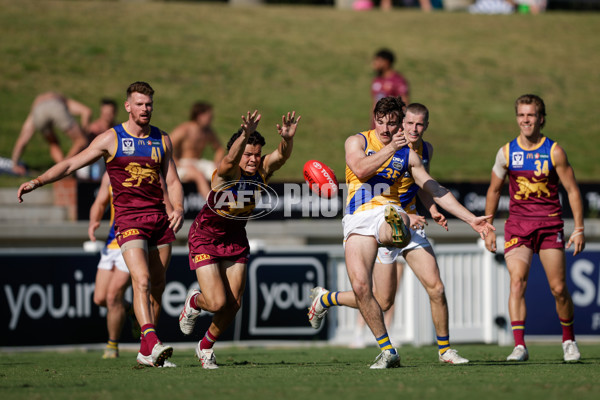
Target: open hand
{"x":250,"y":121}
{"x":289,"y":122}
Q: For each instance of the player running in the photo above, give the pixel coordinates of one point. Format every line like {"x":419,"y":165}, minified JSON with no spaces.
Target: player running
{"x":136,"y":155}
{"x":218,"y":242}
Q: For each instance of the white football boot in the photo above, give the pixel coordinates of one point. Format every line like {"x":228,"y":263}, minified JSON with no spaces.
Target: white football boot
{"x":206,"y":357}
{"x":451,"y":357}
{"x":160,"y":353}
{"x":386,"y":359}
{"x":187,"y":318}
{"x":317,"y":312}
{"x":519,"y":353}
{"x":571,"y":351}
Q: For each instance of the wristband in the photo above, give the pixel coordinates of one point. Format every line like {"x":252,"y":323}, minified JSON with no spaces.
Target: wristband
{"x":34,"y":184}
{"x":575,"y":234}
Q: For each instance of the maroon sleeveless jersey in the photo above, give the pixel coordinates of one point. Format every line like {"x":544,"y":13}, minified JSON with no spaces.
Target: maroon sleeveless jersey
{"x":228,"y":208}
{"x":533,"y":180}
{"x":134,"y":172}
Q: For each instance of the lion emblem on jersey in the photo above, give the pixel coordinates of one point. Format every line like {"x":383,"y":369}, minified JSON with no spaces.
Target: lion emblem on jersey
{"x":527,"y":188}
{"x":139,"y":173}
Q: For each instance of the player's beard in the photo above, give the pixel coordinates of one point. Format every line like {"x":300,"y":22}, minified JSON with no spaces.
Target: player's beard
{"x":143,"y":121}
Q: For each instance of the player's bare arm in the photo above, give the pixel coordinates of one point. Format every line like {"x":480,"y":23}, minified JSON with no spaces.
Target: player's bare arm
{"x":498,"y":175}
{"x":229,"y":167}
{"x":174,"y":187}
{"x":444,"y":198}
{"x":287,"y":131}
{"x":102,"y":146}
{"x":430,"y":205}
{"x":491,"y":206}
{"x":365,"y":166}
{"x":98,"y":206}
{"x":426,"y":198}
{"x":567,"y":178}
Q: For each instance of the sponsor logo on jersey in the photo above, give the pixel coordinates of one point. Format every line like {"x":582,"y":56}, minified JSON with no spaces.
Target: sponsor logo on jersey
{"x":517,"y":159}
{"x":130,"y":232}
{"x":397,"y":162}
{"x":201,"y":257}
{"x":128,"y":146}
{"x":370,"y":152}
{"x":511,"y":242}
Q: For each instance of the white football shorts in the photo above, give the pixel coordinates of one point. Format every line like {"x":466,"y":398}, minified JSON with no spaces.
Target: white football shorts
{"x":110,"y":257}
{"x":366,"y":223}
{"x":418,"y":240}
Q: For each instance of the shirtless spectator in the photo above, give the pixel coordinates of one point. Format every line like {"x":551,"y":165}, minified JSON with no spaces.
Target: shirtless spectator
{"x":106,"y":120}
{"x":189,"y":141}
{"x":50,"y":111}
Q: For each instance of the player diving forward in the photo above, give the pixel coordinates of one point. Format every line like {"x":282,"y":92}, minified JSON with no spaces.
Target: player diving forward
{"x":218,"y":241}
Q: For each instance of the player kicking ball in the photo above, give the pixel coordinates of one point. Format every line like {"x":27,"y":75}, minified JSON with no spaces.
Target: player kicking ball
{"x":376,"y":162}
{"x":218,"y":241}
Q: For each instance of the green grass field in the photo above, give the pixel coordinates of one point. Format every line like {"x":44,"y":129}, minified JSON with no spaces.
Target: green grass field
{"x":304,"y":373}
{"x":467,"y":68}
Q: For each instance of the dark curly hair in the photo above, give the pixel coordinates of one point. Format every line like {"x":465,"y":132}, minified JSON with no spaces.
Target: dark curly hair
{"x":255,"y":138}
{"x":389,"y":105}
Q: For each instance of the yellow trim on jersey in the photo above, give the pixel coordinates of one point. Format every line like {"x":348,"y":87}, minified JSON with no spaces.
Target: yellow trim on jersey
{"x":506,"y":154}
{"x":552,"y":153}
{"x":532,"y":149}
{"x":138,"y":137}
{"x":162,"y":139}
{"x":110,"y":158}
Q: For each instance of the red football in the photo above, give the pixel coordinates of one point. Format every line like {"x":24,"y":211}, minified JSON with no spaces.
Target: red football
{"x":320,"y":179}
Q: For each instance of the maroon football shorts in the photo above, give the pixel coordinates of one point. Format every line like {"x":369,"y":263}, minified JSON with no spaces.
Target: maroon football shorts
{"x":536,"y":234}
{"x":151,"y":227}
{"x":206,"y":250}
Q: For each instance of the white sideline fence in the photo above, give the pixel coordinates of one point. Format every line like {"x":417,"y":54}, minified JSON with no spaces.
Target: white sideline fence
{"x":476,"y":288}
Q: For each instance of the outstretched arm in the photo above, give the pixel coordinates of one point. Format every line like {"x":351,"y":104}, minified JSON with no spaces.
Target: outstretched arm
{"x":229,"y":167}
{"x":429,"y":204}
{"x":426,"y":198}
{"x":286,"y":130}
{"x":101,"y":146}
{"x":444,"y":198}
